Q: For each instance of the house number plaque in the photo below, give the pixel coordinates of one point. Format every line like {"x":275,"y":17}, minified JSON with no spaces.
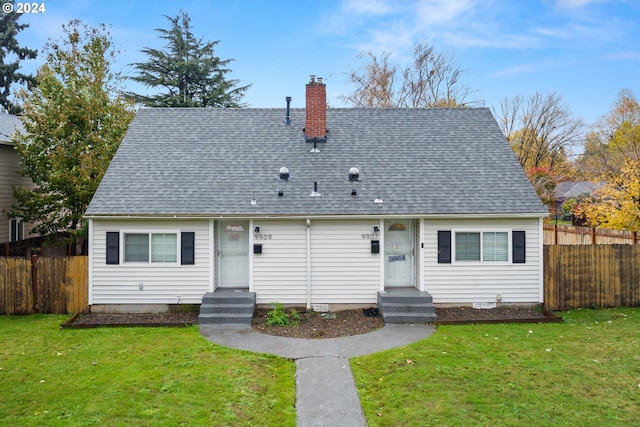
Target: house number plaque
{"x":371,"y":236}
{"x":262,"y":236}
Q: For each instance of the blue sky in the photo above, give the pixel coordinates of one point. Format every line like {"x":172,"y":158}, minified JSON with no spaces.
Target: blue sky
{"x":583,"y":50}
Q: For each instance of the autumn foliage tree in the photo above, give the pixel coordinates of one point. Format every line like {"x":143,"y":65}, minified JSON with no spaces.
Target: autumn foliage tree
{"x":74,"y":121}
{"x":612,"y":157}
{"x":617,"y":203}
{"x":613,"y":140}
{"x":431,"y":79}
{"x":541,"y":130}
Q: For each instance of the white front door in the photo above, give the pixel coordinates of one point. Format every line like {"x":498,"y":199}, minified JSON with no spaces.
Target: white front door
{"x":233,"y":254}
{"x":399,"y":266}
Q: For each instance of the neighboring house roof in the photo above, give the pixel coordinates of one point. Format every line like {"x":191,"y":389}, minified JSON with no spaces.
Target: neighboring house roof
{"x":209,"y":162}
{"x":8,"y":125}
{"x":571,"y":189}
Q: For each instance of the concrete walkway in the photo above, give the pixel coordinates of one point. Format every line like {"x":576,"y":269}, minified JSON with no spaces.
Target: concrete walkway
{"x":326,"y":394}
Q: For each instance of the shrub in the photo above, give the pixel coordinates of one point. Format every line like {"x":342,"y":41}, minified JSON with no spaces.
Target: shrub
{"x":277,"y":316}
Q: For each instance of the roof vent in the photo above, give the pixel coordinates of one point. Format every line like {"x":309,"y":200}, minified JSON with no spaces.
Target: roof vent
{"x":354,"y":174}
{"x":287,"y":120}
{"x":315,"y":193}
{"x":315,"y":148}
{"x":284,"y":173}
{"x":378,"y":199}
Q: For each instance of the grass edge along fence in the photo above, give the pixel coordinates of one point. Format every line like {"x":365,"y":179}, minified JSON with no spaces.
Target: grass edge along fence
{"x":55,"y":285}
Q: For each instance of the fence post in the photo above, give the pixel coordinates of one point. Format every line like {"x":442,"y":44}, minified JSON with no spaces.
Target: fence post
{"x":34,"y":281}
{"x":555,"y":234}
{"x":593,"y":235}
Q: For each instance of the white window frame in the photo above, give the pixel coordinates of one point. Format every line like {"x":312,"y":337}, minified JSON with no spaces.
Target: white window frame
{"x":454,"y":241}
{"x":149,"y":233}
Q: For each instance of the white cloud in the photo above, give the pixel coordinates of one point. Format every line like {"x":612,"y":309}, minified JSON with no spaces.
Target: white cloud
{"x":575,"y":4}
{"x":367,"y":7}
{"x":514,"y":71}
{"x":442,"y":12}
{"x":624,"y":55}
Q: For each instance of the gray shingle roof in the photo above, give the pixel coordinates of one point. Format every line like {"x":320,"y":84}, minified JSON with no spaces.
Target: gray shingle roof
{"x":8,"y":125}
{"x":187,"y":161}
{"x":570,"y":189}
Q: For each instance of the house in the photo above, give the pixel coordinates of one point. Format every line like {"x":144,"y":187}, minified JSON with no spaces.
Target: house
{"x":314,"y":206}
{"x":11,"y":229}
{"x":577,"y":190}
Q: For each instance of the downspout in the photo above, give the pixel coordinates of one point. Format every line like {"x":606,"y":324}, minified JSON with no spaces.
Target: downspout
{"x":308,"y":264}
{"x":90,"y":258}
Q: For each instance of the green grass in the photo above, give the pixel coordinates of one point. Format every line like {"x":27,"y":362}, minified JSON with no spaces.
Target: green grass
{"x":583,"y":372}
{"x":135,"y":376}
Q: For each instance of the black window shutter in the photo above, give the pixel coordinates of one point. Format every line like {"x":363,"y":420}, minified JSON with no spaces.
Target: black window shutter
{"x":187,"y":248}
{"x":113,"y":247}
{"x":444,"y":247}
{"x":519,"y":247}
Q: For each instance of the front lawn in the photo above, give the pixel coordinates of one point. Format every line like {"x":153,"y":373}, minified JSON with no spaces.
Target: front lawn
{"x":135,"y":376}
{"x":583,"y":372}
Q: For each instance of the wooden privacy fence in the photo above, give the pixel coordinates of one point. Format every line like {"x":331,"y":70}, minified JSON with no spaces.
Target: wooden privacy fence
{"x":573,"y":235}
{"x":578,"y":276}
{"x":57,"y":285}
{"x":574,"y":276}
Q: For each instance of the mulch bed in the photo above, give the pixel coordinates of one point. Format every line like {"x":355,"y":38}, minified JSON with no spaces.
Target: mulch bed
{"x":504,"y":314}
{"x":94,"y":320}
{"x":317,"y":325}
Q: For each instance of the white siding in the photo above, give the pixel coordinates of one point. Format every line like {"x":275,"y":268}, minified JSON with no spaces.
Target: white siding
{"x":162,"y":284}
{"x":343,"y":269}
{"x":468,"y":282}
{"x":280,"y":271}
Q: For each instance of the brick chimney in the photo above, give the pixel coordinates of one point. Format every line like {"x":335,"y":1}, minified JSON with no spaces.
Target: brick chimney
{"x":316,"y":110}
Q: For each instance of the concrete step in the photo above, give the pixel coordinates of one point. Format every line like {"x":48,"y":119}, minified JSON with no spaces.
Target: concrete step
{"x":227,"y":306}
{"x":406,"y":305}
{"x":417,"y":318}
{"x":224,"y":318}
{"x":245,"y":308}
{"x":393,"y":307}
{"x":229,"y":297}
{"x":405,"y":297}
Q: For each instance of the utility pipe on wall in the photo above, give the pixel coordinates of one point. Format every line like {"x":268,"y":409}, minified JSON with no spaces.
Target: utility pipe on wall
{"x":308,"y":264}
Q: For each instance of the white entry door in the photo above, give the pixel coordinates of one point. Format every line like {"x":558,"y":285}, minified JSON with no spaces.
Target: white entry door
{"x":399,"y":265}
{"x":233,"y":254}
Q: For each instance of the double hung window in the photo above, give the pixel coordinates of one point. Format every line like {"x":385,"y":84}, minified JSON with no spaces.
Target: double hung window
{"x":486,"y":246}
{"x":157,"y":247}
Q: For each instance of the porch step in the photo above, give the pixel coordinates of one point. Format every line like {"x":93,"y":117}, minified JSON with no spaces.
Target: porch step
{"x":227,"y":306}
{"x":406,"y":305}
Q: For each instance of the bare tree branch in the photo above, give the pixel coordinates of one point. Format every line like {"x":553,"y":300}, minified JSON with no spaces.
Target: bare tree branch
{"x":432,"y":79}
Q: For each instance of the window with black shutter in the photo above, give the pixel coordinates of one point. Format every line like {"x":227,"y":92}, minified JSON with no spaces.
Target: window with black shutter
{"x":444,"y":247}
{"x":187,"y":248}
{"x":519,"y":247}
{"x":113,"y":247}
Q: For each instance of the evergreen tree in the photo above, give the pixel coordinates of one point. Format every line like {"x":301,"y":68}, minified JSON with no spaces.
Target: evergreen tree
{"x":188,"y":70}
{"x":74,"y":121}
{"x":9,"y":46}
